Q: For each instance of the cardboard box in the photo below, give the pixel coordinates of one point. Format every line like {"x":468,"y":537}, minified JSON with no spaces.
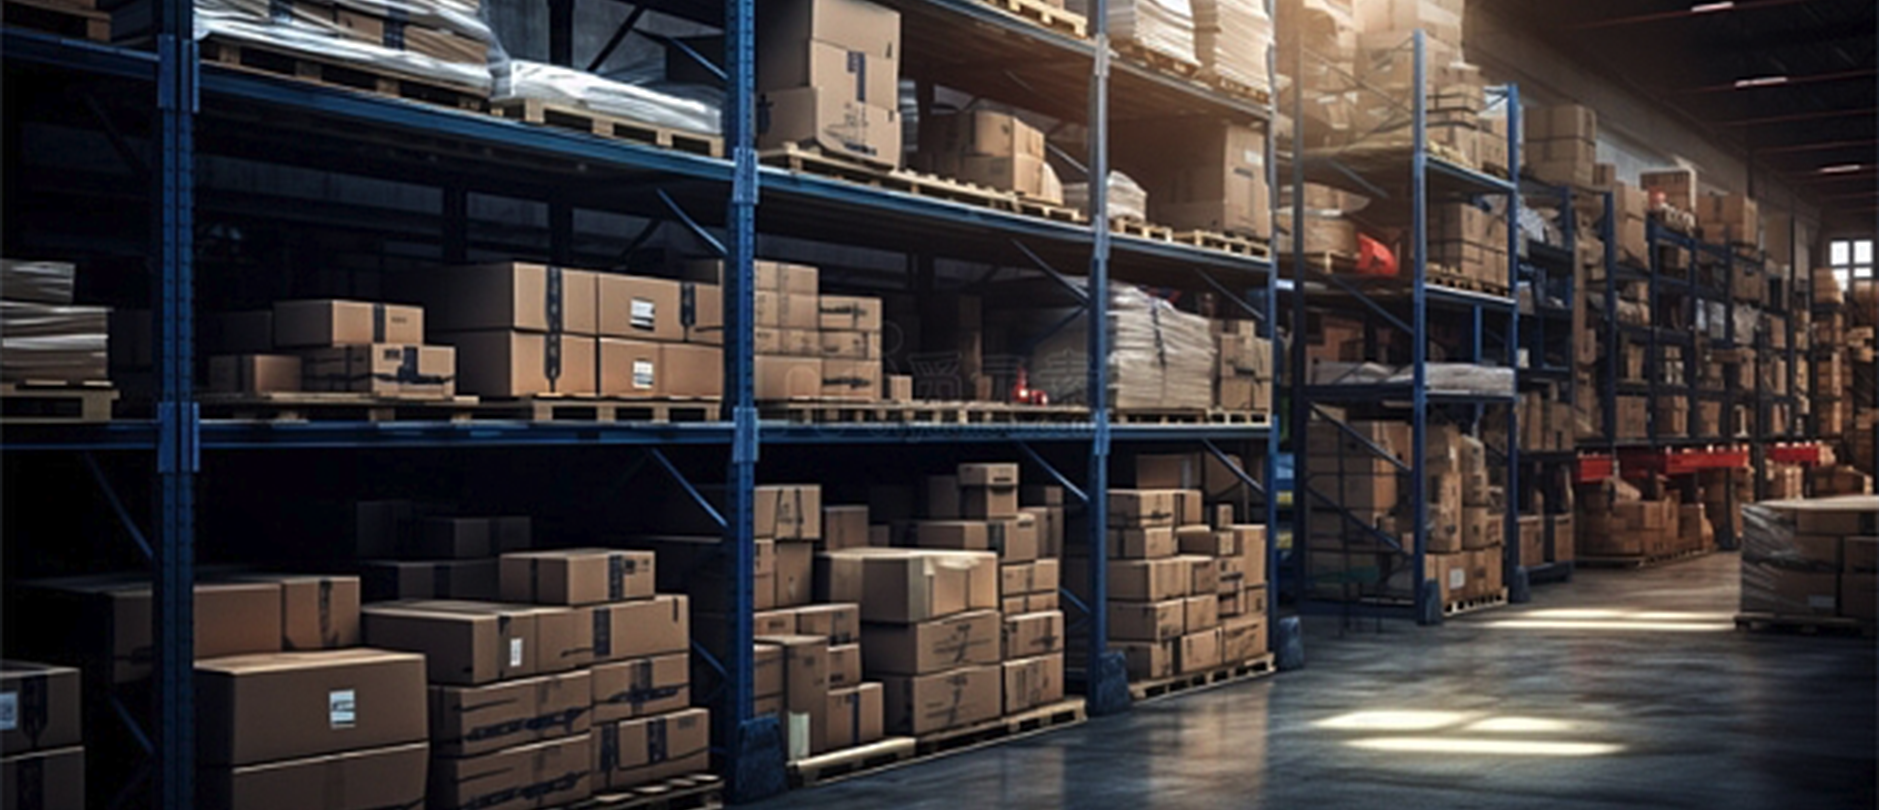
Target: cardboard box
{"x":1031,"y":634}
{"x":105,"y":622}
{"x":1141,"y":507}
{"x":464,"y":643}
{"x":844,"y":665}
{"x":550,"y":773}
{"x":639,"y":308}
{"x":982,"y":133}
{"x":317,"y":612}
{"x":988,"y":502}
{"x":384,"y":581}
{"x":1789,"y":592}
{"x":392,"y":776}
{"x":1203,"y":612}
{"x":333,"y":322}
{"x":629,"y":368}
{"x":849,"y":313}
{"x":1150,"y":580}
{"x":843,"y":527}
{"x":1147,"y":621}
{"x":903,"y":586}
{"x":43,"y":707}
{"x":782,"y":378}
{"x":471,"y":720}
{"x":1199,"y":651}
{"x":1242,"y":638}
{"x":931,"y":646}
{"x":1046,"y":576}
{"x":795,"y":571}
{"x":1150,"y":543}
{"x":692,"y":370}
{"x":655,"y":626}
{"x":1148,"y":660}
{"x":519,"y":364}
{"x":386,"y":369}
{"x":805,"y":685}
{"x":839,"y":124}
{"x":1213,"y":179}
{"x":839,"y":623}
{"x":1203,"y":574}
{"x":1041,"y":602}
{"x":855,"y":716}
{"x":1033,"y":682}
{"x":582,"y":576}
{"x":848,"y":345}
{"x":920,"y":704}
{"x":866,"y":29}
{"x":963,"y":535}
{"x":851,"y":379}
{"x":522,"y":296}
{"x":274,"y":706}
{"x":767,"y":671}
{"x":641,"y":687}
{"x":1014,"y":539}
{"x":255,"y":373}
{"x":1014,"y":580}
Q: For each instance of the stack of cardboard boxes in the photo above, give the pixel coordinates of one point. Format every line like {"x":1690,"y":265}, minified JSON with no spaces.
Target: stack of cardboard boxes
{"x":522,"y":329}
{"x":1243,"y":375}
{"x":991,"y":148}
{"x":1231,"y":40}
{"x":1561,"y":144}
{"x":1616,"y":520}
{"x":1469,"y":240}
{"x":1729,"y":219}
{"x":1199,"y":175}
{"x":330,"y":345}
{"x":43,"y":336}
{"x":829,"y":75}
{"x":436,"y":557}
{"x":1814,"y":557}
{"x":809,"y":345}
{"x":42,"y":756}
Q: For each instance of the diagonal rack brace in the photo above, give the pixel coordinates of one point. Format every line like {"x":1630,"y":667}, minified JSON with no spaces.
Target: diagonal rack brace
{"x":697,"y":230}
{"x":697,"y":497}
{"x":1238,"y":471}
{"x":1081,"y":294}
{"x":1062,"y":481}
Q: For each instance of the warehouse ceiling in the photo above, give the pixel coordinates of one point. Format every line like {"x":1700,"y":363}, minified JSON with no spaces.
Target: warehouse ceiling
{"x":1791,"y":82}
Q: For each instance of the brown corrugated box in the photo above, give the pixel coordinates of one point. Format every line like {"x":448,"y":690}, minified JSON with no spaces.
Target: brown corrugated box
{"x":105,"y":622}
{"x":1032,"y":634}
{"x":549,"y":773}
{"x":274,"y":706}
{"x":317,"y":612}
{"x":639,"y":308}
{"x":844,"y":665}
{"x":1150,"y":580}
{"x":795,"y":572}
{"x":508,"y":363}
{"x":850,"y":313}
{"x":1199,"y":651}
{"x":463,"y":642}
{"x":838,"y":124}
{"x":1203,"y":612}
{"x":805,"y":682}
{"x":909,"y":585}
{"x":787,"y":311}
{"x":640,"y":628}
{"x":1147,"y":621}
{"x":926,"y":703}
{"x":767,"y":672}
{"x":1242,"y":638}
{"x":932,"y":646}
{"x":1142,"y":507}
{"x":256,"y":373}
{"x":1033,"y":682}
{"x":332,"y":322}
{"x":843,"y":344}
{"x":649,"y":749}
{"x":851,"y":379}
{"x":1147,"y":660}
{"x":691,"y":370}
{"x":869,"y":34}
{"x":471,"y":720}
{"x":855,"y":716}
{"x":630,"y":368}
{"x":843,"y":527}
{"x":959,"y":535}
{"x":780,"y":622}
{"x":581,"y":576}
{"x":641,"y":687}
{"x":392,"y":776}
{"x":1014,"y":538}
{"x":44,"y":707}
{"x":840,"y":623}
{"x":385,"y":369}
{"x":1141,"y":543}
{"x":512,"y":295}
{"x":388,"y":580}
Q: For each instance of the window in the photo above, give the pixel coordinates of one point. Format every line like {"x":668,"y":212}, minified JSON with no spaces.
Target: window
{"x":1850,"y":259}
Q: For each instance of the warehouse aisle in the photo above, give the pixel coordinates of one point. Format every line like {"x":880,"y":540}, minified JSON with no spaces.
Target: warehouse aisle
{"x":1624,"y":689}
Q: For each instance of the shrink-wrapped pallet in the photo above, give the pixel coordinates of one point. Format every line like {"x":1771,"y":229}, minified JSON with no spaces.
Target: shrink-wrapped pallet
{"x":1127,"y":198}
{"x":1232,"y":37}
{"x":53,"y":342}
{"x":1159,"y":357}
{"x":1165,"y":27}
{"x":696,"y":111}
{"x":441,"y":41}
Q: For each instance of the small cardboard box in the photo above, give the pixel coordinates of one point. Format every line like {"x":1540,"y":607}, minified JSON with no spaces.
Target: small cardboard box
{"x":1203,"y":574}
{"x":256,"y":373}
{"x":858,"y":380}
{"x":848,"y":345}
{"x":1148,"y":660}
{"x":1199,"y":651}
{"x":843,"y":527}
{"x":333,"y":322}
{"x":1151,"y":543}
{"x":269,"y":707}
{"x":839,"y":623}
{"x":1242,"y":638}
{"x":471,"y":720}
{"x":932,"y":646}
{"x":641,"y":687}
{"x":1015,"y":538}
{"x":1031,"y":634}
{"x":381,"y":368}
{"x":1142,"y":507}
{"x":649,"y":749}
{"x":988,"y":502}
{"x":581,"y":576}
{"x":805,"y":683}
{"x":44,"y":704}
{"x":317,"y":612}
{"x":1033,"y":682}
{"x":844,"y":665}
{"x":1147,"y":621}
{"x":855,"y":716}
{"x":1150,"y":580}
{"x":1046,"y":576}
{"x":1204,"y":540}
{"x":920,"y":704}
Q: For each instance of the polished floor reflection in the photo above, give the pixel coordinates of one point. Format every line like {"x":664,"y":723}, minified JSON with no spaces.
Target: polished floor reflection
{"x":1622,"y":689}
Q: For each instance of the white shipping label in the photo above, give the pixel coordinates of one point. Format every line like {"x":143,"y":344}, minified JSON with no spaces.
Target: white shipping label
{"x":9,"y":711}
{"x":643,"y":374}
{"x":1457,"y":578}
{"x":341,"y":708}
{"x":515,"y":652}
{"x":645,"y":314}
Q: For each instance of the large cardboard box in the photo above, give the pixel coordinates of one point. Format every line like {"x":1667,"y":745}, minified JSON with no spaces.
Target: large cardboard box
{"x":640,"y":628}
{"x":385,"y":369}
{"x":1033,"y":682}
{"x":465,"y":643}
{"x":795,"y":571}
{"x":918,"y":649}
{"x":909,"y":585}
{"x":630,"y":368}
{"x":839,"y":623}
{"x":838,"y":123}
{"x":317,"y":612}
{"x":639,"y":308}
{"x":1242,"y":638}
{"x":869,"y":31}
{"x":855,"y":715}
{"x":392,"y":776}
{"x":389,"y":580}
{"x":781,"y":378}
{"x":471,"y":720}
{"x":1199,"y":651}
{"x":1150,"y":580}
{"x":506,"y":296}
{"x":508,"y":363}
{"x":257,"y":373}
{"x":549,"y":773}
{"x":805,"y":685}
{"x":581,"y":576}
{"x":1147,"y":660}
{"x":691,"y":371}
{"x":333,"y":322}
{"x":274,"y":706}
{"x":641,"y":687}
{"x":920,"y":704}
{"x":1201,"y":174}
{"x":42,"y":707}
{"x":1135,"y":543}
{"x":1147,"y":621}
{"x":1032,"y":634}
{"x":103,"y":624}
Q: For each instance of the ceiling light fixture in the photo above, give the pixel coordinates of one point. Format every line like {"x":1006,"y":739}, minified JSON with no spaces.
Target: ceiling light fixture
{"x":1760,"y":81}
{"x":1844,"y":168}
{"x":1706,"y":8}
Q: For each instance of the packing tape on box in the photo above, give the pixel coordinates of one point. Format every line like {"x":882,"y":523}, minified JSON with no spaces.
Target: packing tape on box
{"x":619,"y":567}
{"x":378,"y":323}
{"x":534,"y":579}
{"x":31,"y":710}
{"x":327,"y":635}
{"x":603,"y":633}
{"x":658,"y":746}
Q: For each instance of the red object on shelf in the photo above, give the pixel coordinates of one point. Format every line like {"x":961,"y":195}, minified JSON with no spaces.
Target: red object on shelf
{"x":1593,"y":468}
{"x":1023,"y":394}
{"x":1806,"y":454}
{"x":1643,"y":463}
{"x":1374,"y":258}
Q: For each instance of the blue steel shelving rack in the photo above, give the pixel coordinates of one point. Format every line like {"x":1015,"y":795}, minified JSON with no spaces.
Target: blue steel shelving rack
{"x":511,"y":154}
{"x":1551,"y":269}
{"x":1426,"y":174}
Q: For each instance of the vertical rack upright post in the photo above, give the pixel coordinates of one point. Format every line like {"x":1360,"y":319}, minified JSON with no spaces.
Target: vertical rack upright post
{"x":1514,"y":569}
{"x":1427,"y":597}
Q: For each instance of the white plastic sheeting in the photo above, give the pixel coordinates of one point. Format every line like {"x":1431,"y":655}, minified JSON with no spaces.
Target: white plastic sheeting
{"x":1127,"y":198}
{"x":1159,"y":357}
{"x":520,"y":78}
{"x":307,"y":30}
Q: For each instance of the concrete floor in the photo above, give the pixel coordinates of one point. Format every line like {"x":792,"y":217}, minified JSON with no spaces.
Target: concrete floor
{"x":1621,"y":689}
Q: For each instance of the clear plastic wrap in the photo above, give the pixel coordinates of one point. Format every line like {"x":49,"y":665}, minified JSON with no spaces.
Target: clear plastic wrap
{"x":1231,"y":38}
{"x":1159,"y":358}
{"x":1163,"y":26}
{"x":1462,"y":377}
{"x":39,"y":282}
{"x":443,"y":41}
{"x":696,"y":111}
{"x":1779,"y":575}
{"x":51,"y":342}
{"x":1127,"y":198}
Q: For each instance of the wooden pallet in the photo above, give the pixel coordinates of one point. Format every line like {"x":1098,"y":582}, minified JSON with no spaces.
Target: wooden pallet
{"x":1474,"y":603}
{"x":1003,"y":729}
{"x":699,"y":791}
{"x":596,"y":408}
{"x":282,"y":62}
{"x":810,"y":160}
{"x":56,"y":401}
{"x":333,"y":406}
{"x":1453,"y":279}
{"x":1803,"y":625}
{"x":72,"y":20}
{"x":1386,"y":156}
{"x":1156,"y":59}
{"x":1237,"y":245}
{"x":1046,"y":15}
{"x":1140,"y":229}
{"x":564,"y":116}
{"x":838,"y":765}
{"x":1640,"y":560}
{"x":1191,"y":416}
{"x":1256,"y":667}
{"x":1045,"y":209}
{"x":1234,"y":87}
{"x":823,"y":411}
